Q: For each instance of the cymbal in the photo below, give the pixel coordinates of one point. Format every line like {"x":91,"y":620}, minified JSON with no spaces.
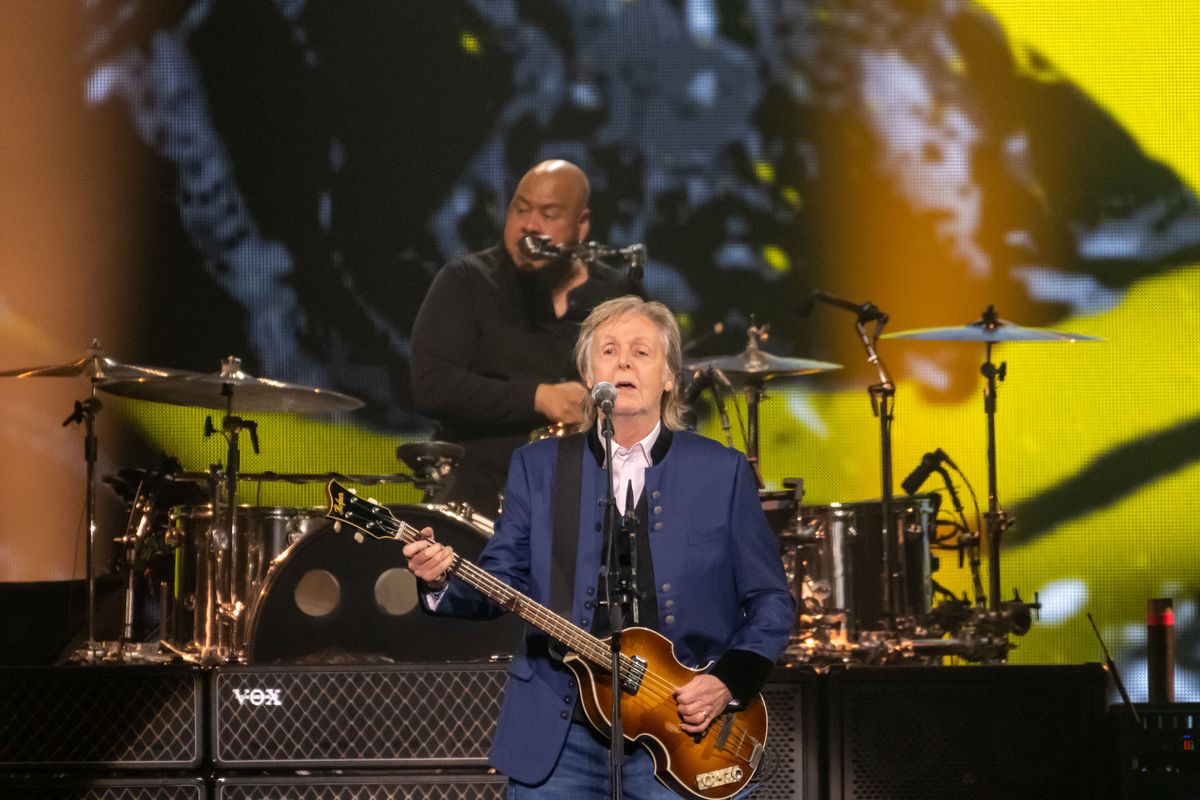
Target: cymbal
{"x":95,"y":365}
{"x":753,"y":364}
{"x":304,"y":477}
{"x":231,"y":388}
{"x":991,"y":329}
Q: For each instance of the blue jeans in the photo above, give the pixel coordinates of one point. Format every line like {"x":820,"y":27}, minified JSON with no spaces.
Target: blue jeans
{"x":582,"y":773}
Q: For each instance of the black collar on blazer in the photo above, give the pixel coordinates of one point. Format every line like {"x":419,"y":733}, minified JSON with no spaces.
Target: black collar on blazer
{"x":657,"y":452}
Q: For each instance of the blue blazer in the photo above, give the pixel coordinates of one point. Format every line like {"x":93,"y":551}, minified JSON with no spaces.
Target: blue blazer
{"x":719,"y":580}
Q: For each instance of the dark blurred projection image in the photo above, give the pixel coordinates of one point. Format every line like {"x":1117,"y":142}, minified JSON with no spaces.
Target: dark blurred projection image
{"x":936,"y":269}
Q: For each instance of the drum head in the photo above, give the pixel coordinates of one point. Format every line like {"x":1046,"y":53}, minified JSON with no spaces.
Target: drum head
{"x":330,"y":598}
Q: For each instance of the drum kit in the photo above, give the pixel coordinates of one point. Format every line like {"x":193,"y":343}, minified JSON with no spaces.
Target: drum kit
{"x":862,"y":572}
{"x":228,"y":582}
{"x":239,"y":583}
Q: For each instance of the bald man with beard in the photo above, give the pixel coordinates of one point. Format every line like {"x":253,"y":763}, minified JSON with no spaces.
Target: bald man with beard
{"x":492,"y":343}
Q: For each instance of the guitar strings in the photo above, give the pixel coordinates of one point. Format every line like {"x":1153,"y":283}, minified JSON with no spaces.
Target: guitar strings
{"x":590,"y":647}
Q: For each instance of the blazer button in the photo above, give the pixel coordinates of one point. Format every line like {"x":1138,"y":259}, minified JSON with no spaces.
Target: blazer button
{"x":658,"y":526}
{"x":583,"y":623}
{"x":571,"y":684}
{"x":567,"y":699}
{"x":666,"y":587}
{"x":669,"y":619}
{"x":562,"y":714}
{"x":658,"y":509}
{"x":656,"y":494}
{"x":670,"y":604}
{"x":589,"y":605}
{"x":591,"y":591}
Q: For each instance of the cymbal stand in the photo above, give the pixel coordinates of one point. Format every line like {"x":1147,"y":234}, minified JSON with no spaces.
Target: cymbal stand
{"x":755,"y":392}
{"x":224,"y":604}
{"x":996,"y":520}
{"x":85,"y":412}
{"x":226,"y":545}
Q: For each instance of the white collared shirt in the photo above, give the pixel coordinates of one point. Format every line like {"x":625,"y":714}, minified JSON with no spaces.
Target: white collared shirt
{"x":629,"y":467}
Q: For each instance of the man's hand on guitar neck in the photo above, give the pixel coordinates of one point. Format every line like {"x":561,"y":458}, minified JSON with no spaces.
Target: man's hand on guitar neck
{"x":700,"y":700}
{"x":429,"y":560}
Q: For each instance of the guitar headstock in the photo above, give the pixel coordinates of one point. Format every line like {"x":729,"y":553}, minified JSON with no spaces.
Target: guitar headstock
{"x":370,"y":518}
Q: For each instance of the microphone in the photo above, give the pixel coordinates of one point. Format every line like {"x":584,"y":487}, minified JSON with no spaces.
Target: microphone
{"x":929,"y":463}
{"x":540,"y":247}
{"x":604,"y":395}
{"x":534,"y":246}
{"x":867,"y":312}
{"x":701,"y":380}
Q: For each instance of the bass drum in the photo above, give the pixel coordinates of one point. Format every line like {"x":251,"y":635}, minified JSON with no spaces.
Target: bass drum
{"x":331,"y":598}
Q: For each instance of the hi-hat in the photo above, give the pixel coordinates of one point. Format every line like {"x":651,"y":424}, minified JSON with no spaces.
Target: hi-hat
{"x":753,"y":364}
{"x":95,"y":365}
{"x":231,"y":388}
{"x":991,"y":329}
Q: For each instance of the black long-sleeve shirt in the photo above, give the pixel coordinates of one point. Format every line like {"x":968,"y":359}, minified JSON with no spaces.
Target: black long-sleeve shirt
{"x":485,"y":337}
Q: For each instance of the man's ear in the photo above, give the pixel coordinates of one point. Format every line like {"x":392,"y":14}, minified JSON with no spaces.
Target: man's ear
{"x":585,"y":224}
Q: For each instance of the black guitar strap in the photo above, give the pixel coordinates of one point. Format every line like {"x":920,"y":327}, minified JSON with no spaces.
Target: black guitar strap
{"x":564,"y":545}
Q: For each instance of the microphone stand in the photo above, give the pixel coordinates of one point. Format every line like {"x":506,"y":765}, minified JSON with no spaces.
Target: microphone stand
{"x":617,"y":598}
{"x":883,"y":396}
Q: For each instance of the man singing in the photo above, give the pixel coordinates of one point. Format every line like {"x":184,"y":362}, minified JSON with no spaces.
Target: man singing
{"x":708,"y":572}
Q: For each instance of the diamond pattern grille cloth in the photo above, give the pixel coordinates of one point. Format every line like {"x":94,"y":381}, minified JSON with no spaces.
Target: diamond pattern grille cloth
{"x":405,"y":717}
{"x":96,"y":716}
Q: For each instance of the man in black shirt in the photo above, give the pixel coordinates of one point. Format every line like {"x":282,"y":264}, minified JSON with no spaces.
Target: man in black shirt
{"x":492,"y":343}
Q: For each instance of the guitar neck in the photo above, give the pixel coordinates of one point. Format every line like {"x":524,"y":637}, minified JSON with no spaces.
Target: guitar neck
{"x":525,"y":607}
{"x":379,"y":522}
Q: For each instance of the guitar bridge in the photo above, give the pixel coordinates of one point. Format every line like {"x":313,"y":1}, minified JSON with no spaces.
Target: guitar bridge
{"x":631,"y":679}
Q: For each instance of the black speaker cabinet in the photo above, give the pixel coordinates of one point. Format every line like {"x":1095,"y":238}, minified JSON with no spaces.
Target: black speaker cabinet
{"x":100,"y":717}
{"x":791,"y":770}
{"x":957,"y":733}
{"x":367,"y":786}
{"x":416,"y":716}
{"x":130,"y":787}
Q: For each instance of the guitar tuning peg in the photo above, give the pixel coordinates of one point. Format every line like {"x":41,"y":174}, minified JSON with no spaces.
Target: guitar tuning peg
{"x":337,"y":527}
{"x":353,"y":491}
{"x":372,"y":500}
{"x":358,"y":537}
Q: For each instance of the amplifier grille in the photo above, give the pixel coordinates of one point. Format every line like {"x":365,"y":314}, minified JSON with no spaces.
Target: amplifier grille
{"x":97,"y":716}
{"x":356,"y":716}
{"x":364,"y":787}
{"x":131,"y":788}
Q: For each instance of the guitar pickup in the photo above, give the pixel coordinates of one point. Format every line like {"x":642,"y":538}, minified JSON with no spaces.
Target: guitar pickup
{"x":631,"y":679}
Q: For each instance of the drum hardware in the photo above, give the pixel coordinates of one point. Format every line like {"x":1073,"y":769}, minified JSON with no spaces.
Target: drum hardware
{"x":991,"y":330}
{"x":555,"y":431}
{"x":98,"y":368}
{"x":432,"y":464}
{"x":968,"y":540}
{"x":893,"y":564}
{"x":223,"y":558}
{"x":752,"y":368}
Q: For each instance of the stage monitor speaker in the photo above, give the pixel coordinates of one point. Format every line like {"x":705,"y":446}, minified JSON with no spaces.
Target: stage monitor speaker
{"x":410,"y":715}
{"x":958,"y":733}
{"x":101,"y":717}
{"x":366,"y":786}
{"x":791,"y":769}
{"x":139,"y":787}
